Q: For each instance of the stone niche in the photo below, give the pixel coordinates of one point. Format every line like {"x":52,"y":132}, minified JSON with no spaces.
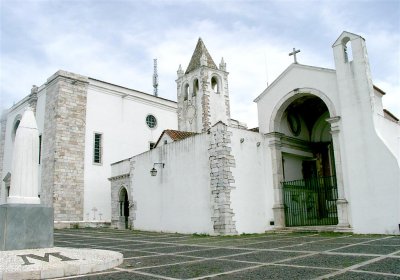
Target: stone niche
{"x":26,"y":226}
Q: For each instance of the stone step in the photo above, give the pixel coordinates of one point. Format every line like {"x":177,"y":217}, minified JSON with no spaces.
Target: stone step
{"x":313,"y":229}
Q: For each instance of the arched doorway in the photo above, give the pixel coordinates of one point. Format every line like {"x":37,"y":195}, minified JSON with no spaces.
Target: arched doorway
{"x":307,"y":183}
{"x":123,"y":208}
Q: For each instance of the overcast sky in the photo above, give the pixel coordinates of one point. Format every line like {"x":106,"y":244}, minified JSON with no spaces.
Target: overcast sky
{"x":116,"y":41}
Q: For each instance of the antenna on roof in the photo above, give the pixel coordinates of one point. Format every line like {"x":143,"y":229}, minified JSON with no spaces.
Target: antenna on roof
{"x":155,"y":78}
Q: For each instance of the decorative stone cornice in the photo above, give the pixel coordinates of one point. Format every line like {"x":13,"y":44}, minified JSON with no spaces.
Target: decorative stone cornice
{"x":67,"y":75}
{"x":274,"y":139}
{"x":335,"y":124}
{"x":119,"y":177}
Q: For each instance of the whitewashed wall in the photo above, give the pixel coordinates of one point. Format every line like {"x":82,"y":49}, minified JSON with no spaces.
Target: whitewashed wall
{"x":389,"y":132}
{"x":178,"y":198}
{"x":217,"y":102}
{"x":252,"y":199}
{"x":372,"y":174}
{"x":120,"y":115}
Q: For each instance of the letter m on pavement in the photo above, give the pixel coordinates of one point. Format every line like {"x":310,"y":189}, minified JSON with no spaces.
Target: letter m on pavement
{"x":46,"y":257}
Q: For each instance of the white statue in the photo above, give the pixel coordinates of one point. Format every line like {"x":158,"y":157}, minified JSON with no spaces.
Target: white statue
{"x":24,"y":172}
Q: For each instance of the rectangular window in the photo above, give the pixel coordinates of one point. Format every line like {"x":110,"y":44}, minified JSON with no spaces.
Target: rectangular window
{"x":40,"y":147}
{"x":97,"y":149}
{"x":152,"y":145}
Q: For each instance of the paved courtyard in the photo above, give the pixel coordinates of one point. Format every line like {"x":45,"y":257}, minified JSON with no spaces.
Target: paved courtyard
{"x":149,"y":255}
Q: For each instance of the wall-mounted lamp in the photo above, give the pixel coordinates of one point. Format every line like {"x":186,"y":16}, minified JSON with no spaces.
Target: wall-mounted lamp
{"x":241,"y":140}
{"x":153,"y":171}
{"x":258,"y":144}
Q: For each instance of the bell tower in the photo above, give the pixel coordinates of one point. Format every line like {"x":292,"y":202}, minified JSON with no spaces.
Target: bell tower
{"x":202,"y":92}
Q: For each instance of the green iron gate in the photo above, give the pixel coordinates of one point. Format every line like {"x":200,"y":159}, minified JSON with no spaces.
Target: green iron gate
{"x":310,"y":202}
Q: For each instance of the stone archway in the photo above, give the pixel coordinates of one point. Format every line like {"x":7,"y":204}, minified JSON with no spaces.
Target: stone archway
{"x":123,"y":209}
{"x":306,"y":161}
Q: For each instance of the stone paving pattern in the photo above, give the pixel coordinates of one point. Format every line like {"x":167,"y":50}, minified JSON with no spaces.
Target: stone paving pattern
{"x":150,"y":255}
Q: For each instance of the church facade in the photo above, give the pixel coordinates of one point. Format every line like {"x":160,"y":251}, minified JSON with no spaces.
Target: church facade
{"x":325,"y":153}
{"x":84,"y":125}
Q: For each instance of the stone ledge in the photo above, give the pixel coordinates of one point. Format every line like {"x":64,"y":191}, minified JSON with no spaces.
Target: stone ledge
{"x":55,"y":262}
{"x":81,"y":224}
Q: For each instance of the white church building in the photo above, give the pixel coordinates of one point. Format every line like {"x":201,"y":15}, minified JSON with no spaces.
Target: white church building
{"x":84,"y":125}
{"x":326,"y":153}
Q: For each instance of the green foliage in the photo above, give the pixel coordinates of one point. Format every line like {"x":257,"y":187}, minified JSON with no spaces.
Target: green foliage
{"x":200,"y":234}
{"x":75,"y":226}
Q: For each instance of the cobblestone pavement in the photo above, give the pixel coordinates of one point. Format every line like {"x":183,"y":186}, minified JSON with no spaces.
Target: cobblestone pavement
{"x":149,"y":255}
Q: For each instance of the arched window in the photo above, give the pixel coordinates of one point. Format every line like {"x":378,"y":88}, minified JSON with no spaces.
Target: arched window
{"x":186,"y":92}
{"x":195,"y":87}
{"x":15,"y":126}
{"x":215,"y":84}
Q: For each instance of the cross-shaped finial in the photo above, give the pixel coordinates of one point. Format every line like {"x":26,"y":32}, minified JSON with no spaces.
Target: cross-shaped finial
{"x":294,"y":54}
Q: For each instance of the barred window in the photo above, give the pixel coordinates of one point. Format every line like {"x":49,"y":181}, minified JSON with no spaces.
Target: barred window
{"x":40,"y":147}
{"x":97,"y":148}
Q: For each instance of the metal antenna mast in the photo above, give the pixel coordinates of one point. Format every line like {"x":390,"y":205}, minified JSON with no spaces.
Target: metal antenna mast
{"x":155,"y":78}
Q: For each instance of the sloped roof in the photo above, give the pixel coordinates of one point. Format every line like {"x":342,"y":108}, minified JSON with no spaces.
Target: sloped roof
{"x":175,"y":135}
{"x":196,"y":57}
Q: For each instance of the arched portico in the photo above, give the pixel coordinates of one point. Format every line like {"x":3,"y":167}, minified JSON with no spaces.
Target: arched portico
{"x":306,"y":160}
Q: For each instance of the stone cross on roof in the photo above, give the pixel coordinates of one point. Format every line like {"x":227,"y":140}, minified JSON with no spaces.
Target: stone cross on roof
{"x":294,"y":54}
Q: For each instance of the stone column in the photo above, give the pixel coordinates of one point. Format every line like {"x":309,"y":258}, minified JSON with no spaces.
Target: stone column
{"x":275,"y":144}
{"x":222,"y":180}
{"x":63,"y":145}
{"x":342,"y":204}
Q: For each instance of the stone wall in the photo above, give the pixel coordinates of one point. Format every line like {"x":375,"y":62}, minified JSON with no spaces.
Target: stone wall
{"x":226,"y":96}
{"x":64,"y":145}
{"x":221,"y":161}
{"x":205,"y":101}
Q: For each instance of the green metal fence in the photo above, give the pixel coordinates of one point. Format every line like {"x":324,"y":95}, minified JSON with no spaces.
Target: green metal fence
{"x":310,"y":202}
